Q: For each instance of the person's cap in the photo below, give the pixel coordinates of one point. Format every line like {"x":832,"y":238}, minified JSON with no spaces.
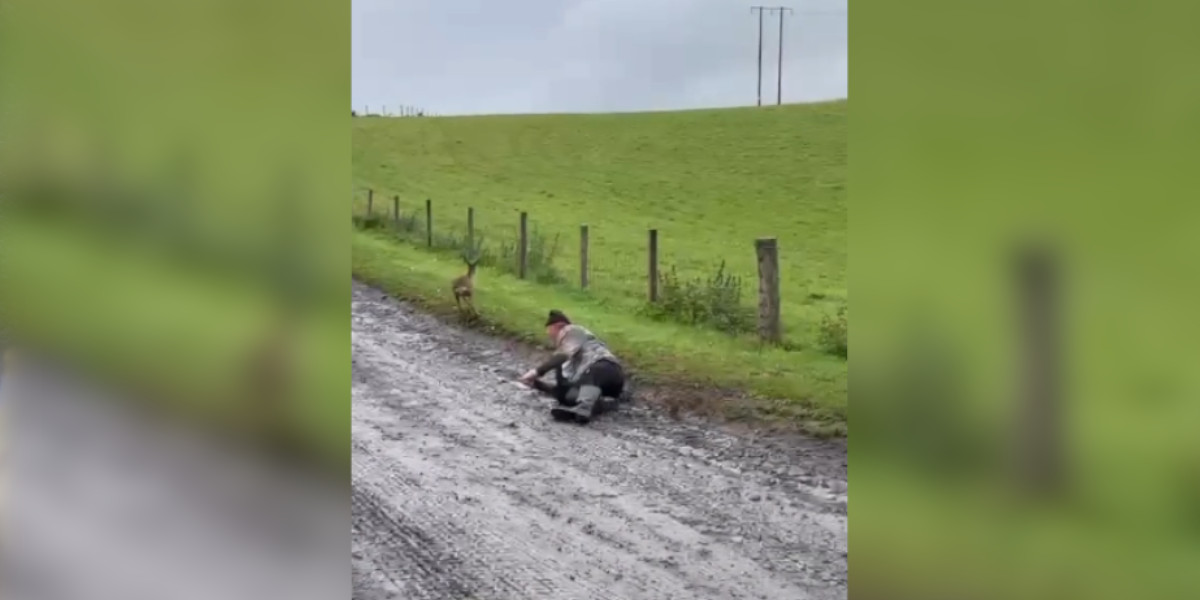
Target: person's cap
{"x":557,"y":316}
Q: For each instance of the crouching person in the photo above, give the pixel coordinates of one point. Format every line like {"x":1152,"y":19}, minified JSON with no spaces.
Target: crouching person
{"x":588,"y":377}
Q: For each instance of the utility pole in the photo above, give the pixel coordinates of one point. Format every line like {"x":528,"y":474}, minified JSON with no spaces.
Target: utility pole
{"x":779,"y":82}
{"x":770,"y":10}
{"x":759,"y":10}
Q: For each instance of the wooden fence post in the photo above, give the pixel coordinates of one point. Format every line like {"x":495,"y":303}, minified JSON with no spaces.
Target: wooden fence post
{"x":396,"y":212}
{"x":653,"y":265}
{"x":471,"y":227}
{"x":769,"y":327}
{"x":523,"y":251}
{"x":370,"y":201}
{"x":1038,"y":443}
{"x":583,"y":256}
{"x":429,"y":222}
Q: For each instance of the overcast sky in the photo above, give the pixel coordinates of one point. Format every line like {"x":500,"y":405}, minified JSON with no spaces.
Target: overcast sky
{"x":514,"y":56}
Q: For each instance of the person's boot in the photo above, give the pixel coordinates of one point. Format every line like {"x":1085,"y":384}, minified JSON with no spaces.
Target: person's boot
{"x":563,"y":405}
{"x":626,"y":395}
{"x":582,"y":411}
{"x":605,"y":404}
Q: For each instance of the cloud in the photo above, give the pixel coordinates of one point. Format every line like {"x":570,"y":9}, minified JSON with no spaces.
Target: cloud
{"x":483,"y":56}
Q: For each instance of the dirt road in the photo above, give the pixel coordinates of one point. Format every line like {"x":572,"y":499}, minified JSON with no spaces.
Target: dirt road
{"x":463,"y":487}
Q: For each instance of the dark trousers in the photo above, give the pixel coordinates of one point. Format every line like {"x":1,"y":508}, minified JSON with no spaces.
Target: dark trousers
{"x":604,"y":374}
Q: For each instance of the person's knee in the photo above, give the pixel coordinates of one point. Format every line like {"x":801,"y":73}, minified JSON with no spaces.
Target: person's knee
{"x":568,"y":396}
{"x":589,"y":393}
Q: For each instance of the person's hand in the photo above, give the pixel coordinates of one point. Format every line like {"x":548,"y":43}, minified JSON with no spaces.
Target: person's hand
{"x":529,"y":377}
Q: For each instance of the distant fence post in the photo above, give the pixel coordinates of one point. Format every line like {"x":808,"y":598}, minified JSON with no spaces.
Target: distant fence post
{"x":396,"y":212}
{"x":429,"y":222}
{"x":471,"y":227}
{"x":370,"y":200}
{"x":583,"y":256}
{"x":653,"y":265}
{"x":523,"y":251}
{"x":1041,"y":464}
{"x":769,"y":327}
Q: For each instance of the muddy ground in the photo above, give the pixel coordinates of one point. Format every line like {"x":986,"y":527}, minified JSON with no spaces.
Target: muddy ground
{"x":463,"y":487}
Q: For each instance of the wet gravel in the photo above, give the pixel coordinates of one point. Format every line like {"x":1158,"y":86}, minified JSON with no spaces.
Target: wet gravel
{"x":464,"y":487}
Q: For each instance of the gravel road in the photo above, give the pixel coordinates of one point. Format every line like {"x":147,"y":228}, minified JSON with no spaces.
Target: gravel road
{"x":463,"y":487}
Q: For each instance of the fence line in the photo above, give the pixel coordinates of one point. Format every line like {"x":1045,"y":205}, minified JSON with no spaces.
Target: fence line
{"x":402,"y":110}
{"x":769,"y":319}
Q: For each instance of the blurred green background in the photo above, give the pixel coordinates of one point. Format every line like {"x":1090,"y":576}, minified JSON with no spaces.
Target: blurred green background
{"x":979,"y":128}
{"x":166,"y":176}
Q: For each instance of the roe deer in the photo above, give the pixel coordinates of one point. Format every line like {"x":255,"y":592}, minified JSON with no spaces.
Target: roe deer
{"x":464,"y":285}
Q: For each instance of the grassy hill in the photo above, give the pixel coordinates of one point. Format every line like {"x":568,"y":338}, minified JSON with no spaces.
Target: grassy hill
{"x":711,"y":181}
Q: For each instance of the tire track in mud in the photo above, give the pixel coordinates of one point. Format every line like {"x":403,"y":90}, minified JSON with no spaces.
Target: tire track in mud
{"x":463,"y":487}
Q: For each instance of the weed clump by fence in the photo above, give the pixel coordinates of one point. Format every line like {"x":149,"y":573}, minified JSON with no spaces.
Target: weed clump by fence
{"x":539,"y":258}
{"x":714,"y":302}
{"x":835,"y":334}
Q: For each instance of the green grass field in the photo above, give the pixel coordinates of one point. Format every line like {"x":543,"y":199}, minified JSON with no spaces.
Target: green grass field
{"x":710,"y":181}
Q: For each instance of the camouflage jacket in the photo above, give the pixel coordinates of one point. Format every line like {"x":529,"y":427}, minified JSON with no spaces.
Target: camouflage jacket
{"x":582,"y":349}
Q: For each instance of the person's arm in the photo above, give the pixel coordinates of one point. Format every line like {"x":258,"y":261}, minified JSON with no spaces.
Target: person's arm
{"x":555,"y":361}
{"x":567,"y":346}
